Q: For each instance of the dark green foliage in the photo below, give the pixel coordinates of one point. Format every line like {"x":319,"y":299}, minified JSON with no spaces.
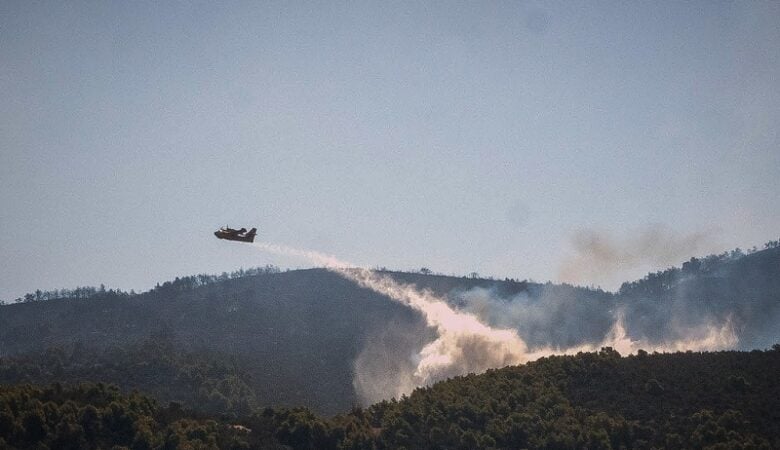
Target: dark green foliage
{"x":654,"y":388}
{"x":211,"y":383}
{"x":93,"y":416}
{"x":683,"y":400}
{"x":599,"y":400}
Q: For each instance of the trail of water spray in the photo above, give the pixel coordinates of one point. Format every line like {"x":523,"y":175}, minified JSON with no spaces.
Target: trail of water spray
{"x":464,"y":344}
{"x":328,"y":261}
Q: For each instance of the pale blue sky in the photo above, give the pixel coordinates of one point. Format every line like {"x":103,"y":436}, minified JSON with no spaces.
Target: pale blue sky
{"x":474,"y":136}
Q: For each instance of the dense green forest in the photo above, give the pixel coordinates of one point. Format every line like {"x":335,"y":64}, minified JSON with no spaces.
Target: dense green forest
{"x":723,"y":400}
{"x":272,"y":332}
{"x":212,"y":382}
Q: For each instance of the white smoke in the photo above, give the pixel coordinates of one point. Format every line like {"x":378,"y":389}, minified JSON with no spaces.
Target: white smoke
{"x":464,"y":344}
{"x":708,"y":337}
{"x":322,"y":259}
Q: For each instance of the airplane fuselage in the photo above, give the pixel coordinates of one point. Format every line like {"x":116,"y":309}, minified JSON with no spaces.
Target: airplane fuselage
{"x":234,"y":235}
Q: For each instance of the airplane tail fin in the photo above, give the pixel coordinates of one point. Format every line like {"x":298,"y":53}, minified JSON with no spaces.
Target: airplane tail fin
{"x":252,"y":232}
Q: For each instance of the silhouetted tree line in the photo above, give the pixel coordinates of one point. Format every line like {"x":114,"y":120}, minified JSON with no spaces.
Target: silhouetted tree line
{"x":188,"y":283}
{"x":651,"y":283}
{"x":76,"y":293}
{"x":723,"y":400}
{"x":179,"y":284}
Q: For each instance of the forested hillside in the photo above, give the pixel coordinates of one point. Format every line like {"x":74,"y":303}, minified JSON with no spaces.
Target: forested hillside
{"x":597,"y":400}
{"x":724,"y":400}
{"x":280,"y":325}
{"x":272,"y":333}
{"x":285,"y":329}
{"x":210,"y":382}
{"x":744,"y":286}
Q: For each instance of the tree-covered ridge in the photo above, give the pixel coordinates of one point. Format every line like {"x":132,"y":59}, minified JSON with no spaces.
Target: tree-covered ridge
{"x":663,"y":278}
{"x":213,"y":383}
{"x":723,"y":400}
{"x":598,"y":400}
{"x":737,"y":286}
{"x":96,"y":416}
{"x":655,"y":283}
{"x":179,"y":284}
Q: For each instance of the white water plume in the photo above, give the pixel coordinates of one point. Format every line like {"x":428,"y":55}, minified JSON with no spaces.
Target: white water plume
{"x":464,"y":344}
{"x":327,"y":261}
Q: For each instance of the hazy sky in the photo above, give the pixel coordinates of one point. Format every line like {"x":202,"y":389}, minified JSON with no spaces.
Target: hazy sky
{"x":482,"y":136}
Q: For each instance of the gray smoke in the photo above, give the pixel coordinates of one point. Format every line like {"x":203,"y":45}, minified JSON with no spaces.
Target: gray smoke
{"x":558,"y":319}
{"x":601,"y":258}
{"x":545,"y":315}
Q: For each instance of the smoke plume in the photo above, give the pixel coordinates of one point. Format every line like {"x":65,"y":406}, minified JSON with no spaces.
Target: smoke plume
{"x":463,"y":343}
{"x":708,"y":337}
{"x":600,"y":258}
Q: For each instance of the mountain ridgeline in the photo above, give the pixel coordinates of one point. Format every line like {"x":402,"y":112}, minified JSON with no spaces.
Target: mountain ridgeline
{"x":230,"y":344}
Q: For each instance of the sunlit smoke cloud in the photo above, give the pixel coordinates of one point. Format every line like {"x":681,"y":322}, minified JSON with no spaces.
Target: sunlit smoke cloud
{"x":463,"y":343}
{"x":601,"y":258}
{"x":708,"y":337}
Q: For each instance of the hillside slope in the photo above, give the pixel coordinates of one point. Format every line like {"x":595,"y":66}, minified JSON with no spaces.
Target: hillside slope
{"x":723,"y":400}
{"x":597,"y":400}
{"x":283,"y":330}
{"x":288,"y":328}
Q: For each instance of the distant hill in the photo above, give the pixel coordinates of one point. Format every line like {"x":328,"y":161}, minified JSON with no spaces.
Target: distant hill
{"x":292,"y":337}
{"x":290,"y":328}
{"x":743,"y":286}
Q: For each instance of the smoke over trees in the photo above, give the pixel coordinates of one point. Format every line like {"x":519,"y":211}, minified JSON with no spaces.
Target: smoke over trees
{"x":718,"y":302}
{"x":362,"y":346}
